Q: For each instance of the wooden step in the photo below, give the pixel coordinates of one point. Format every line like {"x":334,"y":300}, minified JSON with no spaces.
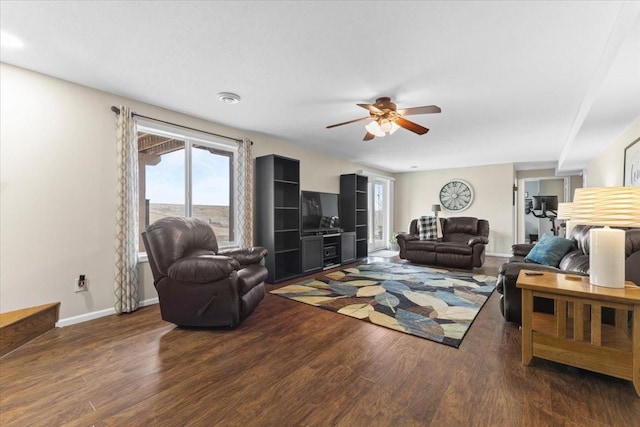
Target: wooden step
{"x":21,"y":326}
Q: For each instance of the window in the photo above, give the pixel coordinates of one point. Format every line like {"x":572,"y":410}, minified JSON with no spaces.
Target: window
{"x":186,"y":173}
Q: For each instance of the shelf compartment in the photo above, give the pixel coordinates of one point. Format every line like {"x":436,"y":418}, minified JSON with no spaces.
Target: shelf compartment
{"x":287,"y":265}
{"x":286,"y":169}
{"x":361,"y":232}
{"x":286,"y":219}
{"x":361,"y":248}
{"x":287,"y":240}
{"x":286,"y":194}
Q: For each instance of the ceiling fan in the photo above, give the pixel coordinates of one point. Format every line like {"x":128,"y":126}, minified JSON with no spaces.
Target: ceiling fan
{"x":386,"y":118}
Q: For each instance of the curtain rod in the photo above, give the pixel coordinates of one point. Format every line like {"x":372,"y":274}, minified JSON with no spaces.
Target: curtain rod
{"x":117,"y":111}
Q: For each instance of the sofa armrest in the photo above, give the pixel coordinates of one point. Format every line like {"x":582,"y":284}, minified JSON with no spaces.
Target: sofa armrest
{"x":246,"y":256}
{"x":406,"y":237}
{"x":522,"y":249}
{"x":202,"y":268}
{"x":511,"y":301}
{"x":478,"y":239}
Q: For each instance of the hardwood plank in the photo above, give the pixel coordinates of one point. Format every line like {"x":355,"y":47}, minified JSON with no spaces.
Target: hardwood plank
{"x":293,"y":364}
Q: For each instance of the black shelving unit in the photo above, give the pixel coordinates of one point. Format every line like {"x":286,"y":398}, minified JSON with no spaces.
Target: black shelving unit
{"x":277,"y":215}
{"x":353,"y":209}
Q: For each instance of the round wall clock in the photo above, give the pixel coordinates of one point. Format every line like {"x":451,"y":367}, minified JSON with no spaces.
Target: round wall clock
{"x":456,"y":195}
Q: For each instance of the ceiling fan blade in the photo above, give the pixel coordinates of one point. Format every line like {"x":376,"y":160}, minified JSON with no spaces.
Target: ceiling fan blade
{"x":413,"y":127}
{"x":368,"y":136}
{"x":372,"y":108}
{"x":427,"y":109}
{"x":350,"y":121}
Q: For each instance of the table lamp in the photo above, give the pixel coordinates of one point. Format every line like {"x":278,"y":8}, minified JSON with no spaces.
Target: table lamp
{"x":608,"y":207}
{"x":564,"y":212}
{"x":435,"y":209}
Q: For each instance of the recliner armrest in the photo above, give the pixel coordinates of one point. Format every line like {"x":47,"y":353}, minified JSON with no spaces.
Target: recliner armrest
{"x":478,"y":239}
{"x":246,"y":256}
{"x":202,"y":268}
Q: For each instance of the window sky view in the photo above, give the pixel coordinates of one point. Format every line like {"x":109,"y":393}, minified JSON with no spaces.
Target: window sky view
{"x":165,"y":182}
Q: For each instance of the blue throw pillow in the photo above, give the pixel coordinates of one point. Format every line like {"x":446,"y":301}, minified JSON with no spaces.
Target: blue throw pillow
{"x":549,"y":250}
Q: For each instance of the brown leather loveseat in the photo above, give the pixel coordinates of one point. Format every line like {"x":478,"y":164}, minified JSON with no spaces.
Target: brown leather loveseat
{"x":197,"y":284}
{"x":575,"y":261}
{"x":462,"y":245}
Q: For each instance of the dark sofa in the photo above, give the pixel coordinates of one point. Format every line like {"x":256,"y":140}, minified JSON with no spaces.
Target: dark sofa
{"x":462,"y":244}
{"x":576,"y":261}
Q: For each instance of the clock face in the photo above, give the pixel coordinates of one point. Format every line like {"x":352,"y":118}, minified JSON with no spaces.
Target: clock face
{"x":456,"y":195}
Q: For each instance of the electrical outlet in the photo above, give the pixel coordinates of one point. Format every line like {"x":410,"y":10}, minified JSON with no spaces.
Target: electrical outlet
{"x":81,"y":283}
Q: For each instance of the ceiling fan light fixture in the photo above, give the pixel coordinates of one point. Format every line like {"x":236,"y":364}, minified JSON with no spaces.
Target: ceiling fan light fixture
{"x":374,"y":129}
{"x":385,"y":125}
{"x":394,"y":127}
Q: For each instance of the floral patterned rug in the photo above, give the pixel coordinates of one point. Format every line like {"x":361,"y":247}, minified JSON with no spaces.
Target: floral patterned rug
{"x":431,"y":303}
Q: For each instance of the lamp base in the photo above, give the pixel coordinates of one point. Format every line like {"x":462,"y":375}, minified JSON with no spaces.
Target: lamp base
{"x":606,"y":257}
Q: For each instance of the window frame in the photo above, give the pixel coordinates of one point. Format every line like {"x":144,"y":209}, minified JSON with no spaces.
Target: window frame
{"x":191,"y":138}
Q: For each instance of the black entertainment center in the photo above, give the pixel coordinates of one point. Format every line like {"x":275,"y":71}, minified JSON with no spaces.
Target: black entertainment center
{"x":320,"y":218}
{"x":304,"y":231}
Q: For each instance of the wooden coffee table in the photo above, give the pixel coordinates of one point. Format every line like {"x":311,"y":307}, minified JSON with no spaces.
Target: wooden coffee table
{"x":574,"y":334}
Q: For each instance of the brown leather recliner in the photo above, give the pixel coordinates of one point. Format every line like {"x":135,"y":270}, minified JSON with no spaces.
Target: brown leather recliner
{"x":462,"y":245}
{"x":197,"y":284}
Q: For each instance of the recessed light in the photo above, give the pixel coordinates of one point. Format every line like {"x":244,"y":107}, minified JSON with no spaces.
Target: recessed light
{"x":9,"y":40}
{"x":228,"y":98}
{"x":414,"y":167}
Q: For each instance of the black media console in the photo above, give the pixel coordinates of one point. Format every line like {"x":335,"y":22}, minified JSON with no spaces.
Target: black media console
{"x":325,"y":250}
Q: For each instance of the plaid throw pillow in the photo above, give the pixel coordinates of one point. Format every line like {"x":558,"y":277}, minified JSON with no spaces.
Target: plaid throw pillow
{"x":329,"y":222}
{"x":427,"y":228}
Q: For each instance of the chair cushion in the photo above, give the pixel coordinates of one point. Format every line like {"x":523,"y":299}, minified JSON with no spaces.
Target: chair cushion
{"x":427,"y":228}
{"x":549,"y":250}
{"x":454,"y":248}
{"x":421,"y":245}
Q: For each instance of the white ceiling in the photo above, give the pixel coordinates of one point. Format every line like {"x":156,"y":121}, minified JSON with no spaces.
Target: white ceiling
{"x":525,"y":82}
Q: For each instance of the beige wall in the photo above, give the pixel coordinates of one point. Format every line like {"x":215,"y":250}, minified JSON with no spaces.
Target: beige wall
{"x":607,"y":169}
{"x":492,"y":186}
{"x":57,"y":189}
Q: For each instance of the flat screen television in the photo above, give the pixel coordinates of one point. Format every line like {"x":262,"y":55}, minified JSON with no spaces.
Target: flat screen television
{"x":319,"y":211}
{"x":551,"y":203}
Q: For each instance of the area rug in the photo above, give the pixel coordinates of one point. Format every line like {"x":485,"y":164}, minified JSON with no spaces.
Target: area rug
{"x":435,"y":304}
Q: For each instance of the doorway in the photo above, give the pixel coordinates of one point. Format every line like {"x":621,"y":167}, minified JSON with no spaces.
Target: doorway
{"x":532,"y":224}
{"x":380,"y":191}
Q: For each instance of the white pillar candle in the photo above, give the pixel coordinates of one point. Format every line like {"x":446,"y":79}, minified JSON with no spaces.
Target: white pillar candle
{"x":606,"y":257}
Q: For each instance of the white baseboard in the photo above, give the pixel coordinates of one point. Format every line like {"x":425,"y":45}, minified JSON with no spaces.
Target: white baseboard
{"x":97,"y":314}
{"x":498,"y":254}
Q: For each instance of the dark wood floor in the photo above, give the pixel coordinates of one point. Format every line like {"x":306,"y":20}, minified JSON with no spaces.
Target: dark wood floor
{"x":293,"y":364}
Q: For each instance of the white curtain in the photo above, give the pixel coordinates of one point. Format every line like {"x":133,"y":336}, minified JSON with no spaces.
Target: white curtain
{"x":126,"y":266}
{"x":244,"y":176}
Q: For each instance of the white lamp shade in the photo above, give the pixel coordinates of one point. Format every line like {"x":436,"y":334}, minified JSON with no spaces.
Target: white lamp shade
{"x":435,"y":208}
{"x":374,"y":129}
{"x":564,"y":210}
{"x":610,"y":207}
{"x":394,"y":127}
{"x":385,"y":125}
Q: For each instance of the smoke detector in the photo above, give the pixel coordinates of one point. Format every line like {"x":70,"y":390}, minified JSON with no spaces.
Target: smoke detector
{"x":228,"y":98}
